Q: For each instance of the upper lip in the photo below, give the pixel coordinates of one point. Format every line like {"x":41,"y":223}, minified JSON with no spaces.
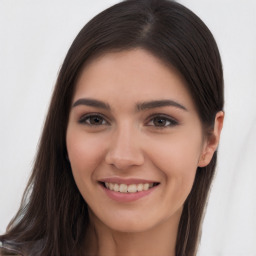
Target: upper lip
{"x":126,"y":181}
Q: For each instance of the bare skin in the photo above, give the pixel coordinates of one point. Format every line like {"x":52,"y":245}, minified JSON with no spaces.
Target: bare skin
{"x":104,"y":241}
{"x":133,"y":121}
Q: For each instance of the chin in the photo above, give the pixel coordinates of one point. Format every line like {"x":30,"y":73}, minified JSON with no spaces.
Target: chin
{"x":130,"y":223}
{"x":130,"y":227}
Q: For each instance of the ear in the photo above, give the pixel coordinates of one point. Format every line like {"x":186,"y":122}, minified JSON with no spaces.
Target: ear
{"x":211,"y":143}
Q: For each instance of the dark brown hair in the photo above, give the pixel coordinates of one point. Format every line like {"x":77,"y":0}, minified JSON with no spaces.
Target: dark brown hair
{"x":53,"y":216}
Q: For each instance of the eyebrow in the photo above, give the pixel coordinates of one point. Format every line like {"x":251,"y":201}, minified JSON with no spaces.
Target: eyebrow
{"x":140,"y":106}
{"x":159,"y":103}
{"x":92,"y":103}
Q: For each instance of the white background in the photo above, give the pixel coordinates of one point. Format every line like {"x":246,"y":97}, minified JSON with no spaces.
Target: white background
{"x":34,"y":38}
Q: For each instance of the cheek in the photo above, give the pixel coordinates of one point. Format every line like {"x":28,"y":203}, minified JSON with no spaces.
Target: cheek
{"x":177,"y":159}
{"x":178,"y":153}
{"x":84,"y":152}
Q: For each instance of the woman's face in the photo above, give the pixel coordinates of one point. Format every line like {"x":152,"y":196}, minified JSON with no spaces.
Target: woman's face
{"x":134,"y":140}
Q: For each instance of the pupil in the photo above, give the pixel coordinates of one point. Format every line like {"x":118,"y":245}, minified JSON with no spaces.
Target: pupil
{"x":158,"y":121}
{"x":96,"y":120}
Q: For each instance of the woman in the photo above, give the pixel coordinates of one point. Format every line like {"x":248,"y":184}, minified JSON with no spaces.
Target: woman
{"x":128,"y":150}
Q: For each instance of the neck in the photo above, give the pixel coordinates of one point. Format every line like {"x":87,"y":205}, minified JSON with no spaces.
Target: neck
{"x":159,"y":240}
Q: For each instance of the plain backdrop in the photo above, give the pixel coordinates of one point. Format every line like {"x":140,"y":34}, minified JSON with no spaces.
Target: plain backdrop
{"x":34,"y":38}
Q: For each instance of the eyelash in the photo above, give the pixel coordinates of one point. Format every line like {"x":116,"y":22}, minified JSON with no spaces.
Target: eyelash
{"x":167,"y":121}
{"x":83,"y":119}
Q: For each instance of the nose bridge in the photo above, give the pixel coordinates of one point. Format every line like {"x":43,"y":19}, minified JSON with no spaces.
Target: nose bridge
{"x":124,"y":148}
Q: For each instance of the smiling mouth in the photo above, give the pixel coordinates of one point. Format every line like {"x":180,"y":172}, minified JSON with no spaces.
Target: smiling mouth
{"x":131,"y":188}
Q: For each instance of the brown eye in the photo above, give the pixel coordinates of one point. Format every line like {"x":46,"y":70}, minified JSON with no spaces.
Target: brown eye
{"x":159,"y":121}
{"x":162,"y":121}
{"x":93,"y":120}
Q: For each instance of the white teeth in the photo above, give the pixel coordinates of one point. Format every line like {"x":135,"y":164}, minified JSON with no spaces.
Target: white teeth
{"x":146,"y":186}
{"x":116,"y":187}
{"x":111,"y":186}
{"x":124,"y":188}
{"x":132,"y":188}
{"x":140,"y":187}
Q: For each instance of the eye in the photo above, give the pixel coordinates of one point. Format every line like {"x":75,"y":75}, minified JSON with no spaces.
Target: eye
{"x":162,"y":121}
{"x":93,"y":120}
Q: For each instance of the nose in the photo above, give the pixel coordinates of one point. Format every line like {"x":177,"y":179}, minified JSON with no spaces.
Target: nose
{"x":124,"y":149}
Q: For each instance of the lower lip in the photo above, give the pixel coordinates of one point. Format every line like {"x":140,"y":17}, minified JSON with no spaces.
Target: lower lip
{"x":127,"y":197}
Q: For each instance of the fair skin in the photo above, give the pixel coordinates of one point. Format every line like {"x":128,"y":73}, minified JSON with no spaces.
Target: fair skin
{"x":132,"y":122}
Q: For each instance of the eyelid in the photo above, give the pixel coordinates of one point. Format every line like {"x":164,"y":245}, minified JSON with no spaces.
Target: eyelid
{"x":82,"y":119}
{"x":173,"y":120}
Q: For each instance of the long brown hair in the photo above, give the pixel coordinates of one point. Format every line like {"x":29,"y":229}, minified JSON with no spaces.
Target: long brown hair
{"x":53,"y":217}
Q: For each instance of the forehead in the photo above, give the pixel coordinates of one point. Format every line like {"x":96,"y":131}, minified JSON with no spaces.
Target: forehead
{"x":131,"y":75}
